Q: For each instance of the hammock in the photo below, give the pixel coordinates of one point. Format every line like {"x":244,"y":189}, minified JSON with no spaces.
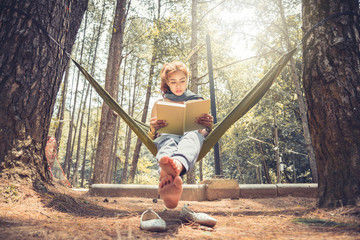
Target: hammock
{"x":251,"y":98}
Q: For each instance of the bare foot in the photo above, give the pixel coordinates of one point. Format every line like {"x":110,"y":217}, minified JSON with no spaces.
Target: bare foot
{"x":170,"y":190}
{"x":170,"y":167}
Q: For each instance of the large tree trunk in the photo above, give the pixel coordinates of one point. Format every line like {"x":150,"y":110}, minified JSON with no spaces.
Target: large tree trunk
{"x":331,"y":82}
{"x":108,"y":117}
{"x":32,"y":67}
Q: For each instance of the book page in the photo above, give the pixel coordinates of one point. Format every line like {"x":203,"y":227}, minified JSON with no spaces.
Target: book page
{"x":194,"y":109}
{"x":173,"y":113}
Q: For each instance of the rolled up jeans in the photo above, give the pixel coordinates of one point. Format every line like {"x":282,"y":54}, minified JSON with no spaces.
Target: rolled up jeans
{"x":184,"y":148}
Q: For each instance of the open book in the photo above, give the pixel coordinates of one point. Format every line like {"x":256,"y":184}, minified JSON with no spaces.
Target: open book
{"x":181,"y":117}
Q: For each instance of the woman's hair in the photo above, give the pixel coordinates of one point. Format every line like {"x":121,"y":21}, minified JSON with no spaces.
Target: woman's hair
{"x":168,"y":69}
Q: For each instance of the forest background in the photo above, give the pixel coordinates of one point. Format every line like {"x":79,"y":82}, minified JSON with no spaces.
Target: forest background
{"x":247,"y":37}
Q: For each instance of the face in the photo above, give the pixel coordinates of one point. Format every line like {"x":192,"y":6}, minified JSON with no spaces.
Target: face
{"x":177,"y":83}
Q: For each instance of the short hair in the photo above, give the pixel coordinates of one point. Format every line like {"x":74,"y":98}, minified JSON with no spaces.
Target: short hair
{"x":168,"y":69}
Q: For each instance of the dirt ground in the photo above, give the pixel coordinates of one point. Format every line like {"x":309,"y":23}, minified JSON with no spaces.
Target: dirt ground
{"x":61,"y":213}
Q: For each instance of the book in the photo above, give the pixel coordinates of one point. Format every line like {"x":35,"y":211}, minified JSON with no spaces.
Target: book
{"x":181,"y":117}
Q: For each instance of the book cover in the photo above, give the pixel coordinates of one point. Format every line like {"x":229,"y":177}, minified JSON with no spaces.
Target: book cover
{"x":181,"y":117}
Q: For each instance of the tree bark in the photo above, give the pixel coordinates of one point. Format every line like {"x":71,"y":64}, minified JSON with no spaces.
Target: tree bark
{"x":331,"y":82}
{"x":31,"y":70}
{"x":108,"y":117}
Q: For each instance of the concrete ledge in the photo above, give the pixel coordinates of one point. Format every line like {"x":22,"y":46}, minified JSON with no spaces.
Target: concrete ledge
{"x":298,"y":189}
{"x":258,"y":190}
{"x":221,"y":188}
{"x":123,"y":190}
{"x":211,"y":190}
{"x":193,"y":192}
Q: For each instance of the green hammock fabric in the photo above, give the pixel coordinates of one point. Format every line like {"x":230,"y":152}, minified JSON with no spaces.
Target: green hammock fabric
{"x":250,"y":99}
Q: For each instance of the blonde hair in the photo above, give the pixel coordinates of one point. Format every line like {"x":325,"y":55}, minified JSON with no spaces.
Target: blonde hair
{"x":168,"y":69}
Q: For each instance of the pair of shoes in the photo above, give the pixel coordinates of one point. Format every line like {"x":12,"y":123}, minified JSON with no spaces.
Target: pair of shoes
{"x":151,"y":221}
{"x":201,"y":218}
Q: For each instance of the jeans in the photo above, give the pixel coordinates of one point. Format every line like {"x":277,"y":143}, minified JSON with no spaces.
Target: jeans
{"x":184,"y":148}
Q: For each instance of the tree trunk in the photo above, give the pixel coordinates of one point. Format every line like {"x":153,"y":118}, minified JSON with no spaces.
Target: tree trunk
{"x":92,"y":160}
{"x":86,"y":143}
{"x":59,"y":129}
{"x":300,"y":98}
{"x":126,"y":153}
{"x":264,"y":165}
{"x":70,"y":144}
{"x":82,"y":113}
{"x":117,"y":161}
{"x":32,"y":67}
{"x":76,"y":167}
{"x":277,"y":151}
{"x":108,"y":117}
{"x":191,"y":175}
{"x":113,"y":158}
{"x":331,"y":82}
{"x":121,"y":104}
{"x":143,"y":119}
{"x":129,"y":131}
{"x":147,"y":102}
{"x":89,"y":109}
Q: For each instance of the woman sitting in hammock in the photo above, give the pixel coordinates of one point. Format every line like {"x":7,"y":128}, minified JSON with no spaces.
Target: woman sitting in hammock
{"x":176,"y":154}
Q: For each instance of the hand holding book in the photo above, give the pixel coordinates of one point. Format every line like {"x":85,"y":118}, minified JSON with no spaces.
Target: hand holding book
{"x":157,"y":124}
{"x":180,"y":118}
{"x":206,"y":120}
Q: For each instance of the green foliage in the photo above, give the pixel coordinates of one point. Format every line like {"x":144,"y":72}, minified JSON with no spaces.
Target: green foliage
{"x":146,"y":174}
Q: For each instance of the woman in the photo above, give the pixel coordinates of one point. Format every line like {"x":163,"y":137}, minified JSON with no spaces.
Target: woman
{"x":176,"y":154}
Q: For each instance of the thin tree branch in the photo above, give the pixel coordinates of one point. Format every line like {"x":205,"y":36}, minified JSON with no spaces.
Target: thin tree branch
{"x":209,"y":12}
{"x":216,"y":69}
